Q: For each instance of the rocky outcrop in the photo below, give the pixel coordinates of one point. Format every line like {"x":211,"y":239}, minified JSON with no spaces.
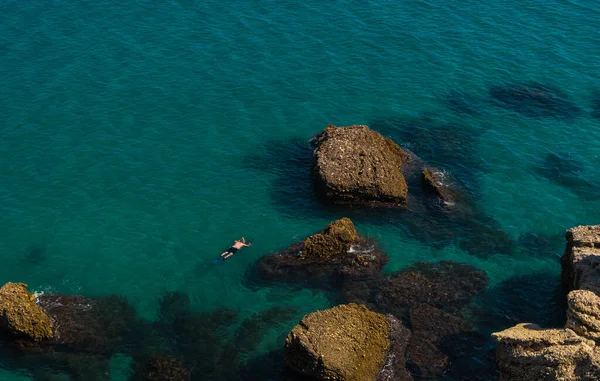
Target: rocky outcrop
{"x":347,"y":343}
{"x":336,"y":251}
{"x":581,"y":260}
{"x":527,"y":351}
{"x":21,"y":317}
{"x":356,"y":165}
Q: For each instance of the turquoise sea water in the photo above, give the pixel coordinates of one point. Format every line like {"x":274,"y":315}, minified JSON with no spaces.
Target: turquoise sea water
{"x":139,"y":138}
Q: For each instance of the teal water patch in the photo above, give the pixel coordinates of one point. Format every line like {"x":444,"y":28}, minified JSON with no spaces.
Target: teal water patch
{"x":140,"y":139}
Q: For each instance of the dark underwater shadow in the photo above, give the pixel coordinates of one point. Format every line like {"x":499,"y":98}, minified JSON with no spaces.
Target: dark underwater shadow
{"x":536,"y":298}
{"x":463,"y":103}
{"x":534,"y":100}
{"x":596,"y":105}
{"x":569,"y":171}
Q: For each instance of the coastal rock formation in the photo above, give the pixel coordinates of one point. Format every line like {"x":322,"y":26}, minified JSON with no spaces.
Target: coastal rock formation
{"x":337,"y":251}
{"x":347,"y":342}
{"x":356,"y":165}
{"x":535,"y":100}
{"x":581,"y":260}
{"x":21,"y":317}
{"x":527,"y":351}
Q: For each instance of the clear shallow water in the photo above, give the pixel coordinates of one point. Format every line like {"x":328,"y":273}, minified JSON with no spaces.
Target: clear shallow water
{"x":139,"y":139}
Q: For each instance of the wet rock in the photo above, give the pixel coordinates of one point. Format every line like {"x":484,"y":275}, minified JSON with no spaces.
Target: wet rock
{"x":436,"y":336}
{"x":581,"y":259}
{"x":160,"y":368}
{"x":439,"y":184}
{"x":535,"y":100}
{"x":336,"y":251}
{"x":347,"y":342}
{"x":356,"y":165}
{"x":22,"y":318}
{"x":528,"y":352}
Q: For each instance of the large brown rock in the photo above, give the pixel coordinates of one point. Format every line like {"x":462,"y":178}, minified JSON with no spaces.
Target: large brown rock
{"x":528,"y":352}
{"x":21,"y":316}
{"x":346,"y":343}
{"x":356,"y":165}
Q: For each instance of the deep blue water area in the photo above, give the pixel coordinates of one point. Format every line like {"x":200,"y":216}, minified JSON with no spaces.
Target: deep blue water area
{"x":139,"y":138}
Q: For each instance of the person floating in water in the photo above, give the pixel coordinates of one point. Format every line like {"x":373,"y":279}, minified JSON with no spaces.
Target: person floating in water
{"x":237,"y":244}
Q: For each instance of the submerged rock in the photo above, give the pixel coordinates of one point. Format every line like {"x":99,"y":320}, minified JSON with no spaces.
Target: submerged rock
{"x":160,"y":368}
{"x":439,"y":184}
{"x":356,"y":165}
{"x":463,"y":103}
{"x":535,"y":100}
{"x":436,"y":335}
{"x":446,"y":285}
{"x":21,"y":317}
{"x":567,"y":170}
{"x":347,"y":342}
{"x":337,"y":251}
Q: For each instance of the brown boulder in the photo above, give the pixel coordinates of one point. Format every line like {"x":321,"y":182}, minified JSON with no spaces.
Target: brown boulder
{"x":356,"y":165}
{"x":21,"y":316}
{"x":347,"y":342}
{"x":335,"y":239}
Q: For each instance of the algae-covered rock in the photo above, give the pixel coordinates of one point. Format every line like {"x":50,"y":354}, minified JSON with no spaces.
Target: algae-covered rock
{"x":335,"y":252}
{"x":355,"y":165}
{"x":344,"y":343}
{"x":21,"y":316}
{"x":335,"y":239}
{"x":160,"y":368}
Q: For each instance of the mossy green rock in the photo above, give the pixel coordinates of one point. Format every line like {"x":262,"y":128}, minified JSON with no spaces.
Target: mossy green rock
{"x":344,"y":343}
{"x":21,"y":316}
{"x":335,"y":239}
{"x":356,"y":165}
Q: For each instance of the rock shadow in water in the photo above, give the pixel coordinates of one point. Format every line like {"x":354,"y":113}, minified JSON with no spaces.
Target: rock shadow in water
{"x":535,"y":100}
{"x":526,"y":298}
{"x":567,"y":170}
{"x":292,"y":191}
{"x":463,"y":103}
